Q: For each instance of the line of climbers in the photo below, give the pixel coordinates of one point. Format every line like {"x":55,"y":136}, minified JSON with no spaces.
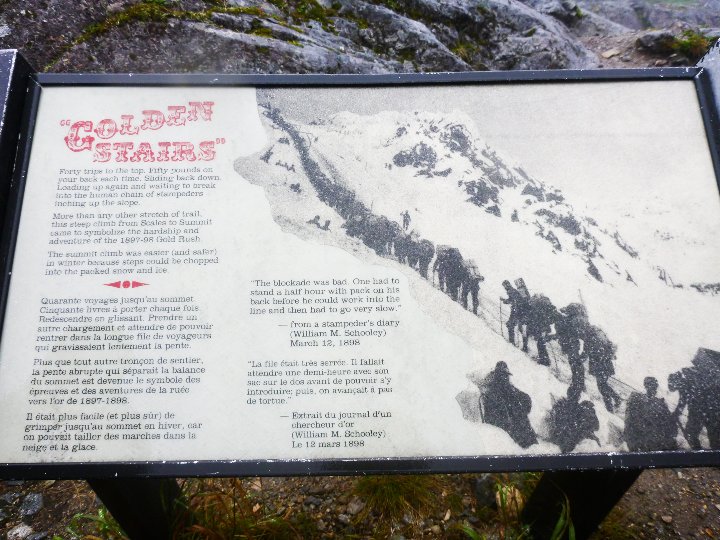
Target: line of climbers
{"x":384,"y":236}
{"x":535,"y":317}
{"x":649,"y":425}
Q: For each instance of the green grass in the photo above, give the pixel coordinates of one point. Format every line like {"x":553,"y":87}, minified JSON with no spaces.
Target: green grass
{"x":467,"y":50}
{"x":161,"y":11}
{"x":511,"y":491}
{"x":693,"y":44}
{"x":211,"y":509}
{"x":390,"y":498}
{"x":304,"y":11}
{"x":219,"y":509}
{"x":101,"y":526}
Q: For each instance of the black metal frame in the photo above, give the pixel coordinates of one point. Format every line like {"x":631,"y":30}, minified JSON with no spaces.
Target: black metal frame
{"x":14,"y":75}
{"x":379,"y":465}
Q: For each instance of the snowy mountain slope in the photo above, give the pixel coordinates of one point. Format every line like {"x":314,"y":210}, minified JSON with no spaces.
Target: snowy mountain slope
{"x":459,"y":192}
{"x":433,"y":156}
{"x":484,"y":336}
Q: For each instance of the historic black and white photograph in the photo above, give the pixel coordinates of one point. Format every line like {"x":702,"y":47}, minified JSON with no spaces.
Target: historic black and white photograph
{"x":566,"y":233}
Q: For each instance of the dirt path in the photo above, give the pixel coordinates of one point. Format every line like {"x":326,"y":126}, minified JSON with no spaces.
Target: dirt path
{"x":668,"y":503}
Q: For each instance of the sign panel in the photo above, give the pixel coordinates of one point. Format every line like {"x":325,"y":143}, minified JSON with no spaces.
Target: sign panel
{"x":258,"y":273}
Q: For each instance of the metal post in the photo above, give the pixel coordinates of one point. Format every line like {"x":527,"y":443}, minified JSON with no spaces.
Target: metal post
{"x":14,"y":73}
{"x":711,"y":63}
{"x":143,"y":507}
{"x":590,"y":495}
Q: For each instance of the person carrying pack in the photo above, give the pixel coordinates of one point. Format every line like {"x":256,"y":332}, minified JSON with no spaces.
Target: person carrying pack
{"x":519,"y":308}
{"x":601,"y":353}
{"x":505,"y":406}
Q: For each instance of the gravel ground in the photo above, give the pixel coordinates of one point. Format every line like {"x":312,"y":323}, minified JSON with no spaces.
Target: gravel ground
{"x":662,"y":504}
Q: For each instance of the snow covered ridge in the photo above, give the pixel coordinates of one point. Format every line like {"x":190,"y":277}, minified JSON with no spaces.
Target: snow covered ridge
{"x":421,"y":191}
{"x":432,"y":151}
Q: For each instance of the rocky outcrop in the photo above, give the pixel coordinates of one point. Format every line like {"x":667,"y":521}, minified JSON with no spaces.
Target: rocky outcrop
{"x":658,"y":41}
{"x":330,"y":36}
{"x":301,"y":36}
{"x":644,"y":14}
{"x":629,"y":14}
{"x":704,"y":14}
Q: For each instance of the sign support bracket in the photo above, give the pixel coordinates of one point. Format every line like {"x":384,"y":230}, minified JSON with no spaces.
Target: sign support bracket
{"x":143,"y":507}
{"x":589,"y":497}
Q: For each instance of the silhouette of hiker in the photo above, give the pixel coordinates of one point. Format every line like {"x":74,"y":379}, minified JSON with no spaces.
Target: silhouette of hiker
{"x":471,"y":285}
{"x":518,"y":309}
{"x":601,"y":354}
{"x":685,"y":381}
{"x":571,"y":329}
{"x":699,"y":388}
{"x":450,"y":270}
{"x":649,"y":424}
{"x":707,"y":362}
{"x":541,"y":315}
{"x":507,"y":407}
{"x":571,"y":422}
{"x":405,"y":220}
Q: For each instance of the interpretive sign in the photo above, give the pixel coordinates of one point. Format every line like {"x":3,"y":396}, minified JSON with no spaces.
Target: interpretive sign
{"x":272,"y":275}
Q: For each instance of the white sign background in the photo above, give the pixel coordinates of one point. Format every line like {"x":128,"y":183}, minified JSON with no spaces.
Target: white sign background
{"x":429,"y":356}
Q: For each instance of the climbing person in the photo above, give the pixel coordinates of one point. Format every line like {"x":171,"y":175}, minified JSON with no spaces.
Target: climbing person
{"x":405,"y":220}
{"x":570,"y":328}
{"x":507,"y":407}
{"x":518,"y":310}
{"x":649,"y":424}
{"x":471,"y":285}
{"x":601,"y":353}
{"x":541,"y":315}
{"x":449,"y":268}
{"x":699,"y":389}
{"x":571,"y":421}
